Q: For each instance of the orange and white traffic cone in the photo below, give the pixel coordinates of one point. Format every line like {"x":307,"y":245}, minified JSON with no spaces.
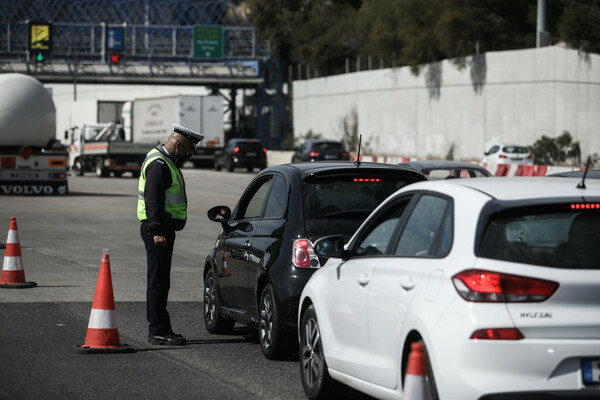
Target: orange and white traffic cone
{"x":13,"y":274}
{"x":102,"y":334}
{"x":415,"y":381}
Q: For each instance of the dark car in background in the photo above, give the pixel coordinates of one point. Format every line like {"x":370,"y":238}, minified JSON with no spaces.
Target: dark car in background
{"x":263,"y":256}
{"x":321,"y":150}
{"x":241,"y":153}
{"x":442,"y":169}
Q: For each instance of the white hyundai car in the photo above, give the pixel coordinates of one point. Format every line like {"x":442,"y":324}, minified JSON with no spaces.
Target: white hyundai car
{"x":498,"y":277}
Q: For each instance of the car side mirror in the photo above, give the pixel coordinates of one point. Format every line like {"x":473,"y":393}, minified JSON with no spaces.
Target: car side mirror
{"x":331,"y":246}
{"x":219,"y":214}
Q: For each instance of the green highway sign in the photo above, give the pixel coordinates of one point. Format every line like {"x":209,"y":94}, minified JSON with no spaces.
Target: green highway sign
{"x":208,"y":42}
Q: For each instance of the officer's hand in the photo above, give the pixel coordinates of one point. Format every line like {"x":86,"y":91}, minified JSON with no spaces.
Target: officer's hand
{"x":160,"y":241}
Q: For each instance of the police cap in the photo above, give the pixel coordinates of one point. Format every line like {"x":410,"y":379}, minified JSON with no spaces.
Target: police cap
{"x":194,"y":137}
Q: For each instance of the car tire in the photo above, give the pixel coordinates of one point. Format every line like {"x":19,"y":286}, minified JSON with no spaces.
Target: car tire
{"x":315,"y":377}
{"x":101,"y":170}
{"x":217,"y":166}
{"x":250,"y":169}
{"x":274,"y":343}
{"x":229,"y":166}
{"x":79,"y":168}
{"x":213,"y":320}
{"x":430,"y":377}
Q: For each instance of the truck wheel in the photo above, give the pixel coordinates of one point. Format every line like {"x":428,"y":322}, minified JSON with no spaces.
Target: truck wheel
{"x":79,"y":168}
{"x":101,"y":171}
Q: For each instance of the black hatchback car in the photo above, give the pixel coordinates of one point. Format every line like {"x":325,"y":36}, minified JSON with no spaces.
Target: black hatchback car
{"x":263,"y":257}
{"x":320,"y":150}
{"x":241,"y":153}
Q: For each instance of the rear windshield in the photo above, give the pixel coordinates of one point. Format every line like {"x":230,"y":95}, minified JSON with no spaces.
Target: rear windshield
{"x":515,"y":149}
{"x":339,"y":204}
{"x":558,"y":237}
{"x":249,"y":145}
{"x":328,"y":146}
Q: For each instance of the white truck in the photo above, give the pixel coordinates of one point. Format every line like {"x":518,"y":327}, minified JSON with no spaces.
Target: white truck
{"x":150,"y":120}
{"x":32,"y":161}
{"x":105,"y":149}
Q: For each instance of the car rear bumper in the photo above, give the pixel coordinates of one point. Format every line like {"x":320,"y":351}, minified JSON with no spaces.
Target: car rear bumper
{"x":545,"y":367}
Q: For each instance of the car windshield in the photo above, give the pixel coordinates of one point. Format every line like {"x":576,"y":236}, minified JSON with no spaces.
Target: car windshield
{"x":328,"y":146}
{"x":339,"y":204}
{"x":515,"y":149}
{"x":560,"y":237}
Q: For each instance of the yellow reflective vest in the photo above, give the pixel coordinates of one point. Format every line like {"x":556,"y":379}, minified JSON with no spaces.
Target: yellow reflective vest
{"x":175,"y":199}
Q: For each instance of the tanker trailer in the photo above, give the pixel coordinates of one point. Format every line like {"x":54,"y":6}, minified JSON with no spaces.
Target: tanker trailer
{"x":32,"y":161}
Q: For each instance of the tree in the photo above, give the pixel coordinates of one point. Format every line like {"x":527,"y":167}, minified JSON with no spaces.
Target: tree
{"x":579,"y":25}
{"x":553,"y":151}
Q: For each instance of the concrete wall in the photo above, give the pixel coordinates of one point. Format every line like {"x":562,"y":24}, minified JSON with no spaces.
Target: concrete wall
{"x":511,"y":96}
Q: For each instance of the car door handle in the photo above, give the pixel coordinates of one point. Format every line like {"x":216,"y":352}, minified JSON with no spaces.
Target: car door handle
{"x":363,"y":280}
{"x":407,"y":285}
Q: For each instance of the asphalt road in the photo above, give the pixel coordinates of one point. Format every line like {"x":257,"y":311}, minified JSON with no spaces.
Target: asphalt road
{"x":62,"y":241}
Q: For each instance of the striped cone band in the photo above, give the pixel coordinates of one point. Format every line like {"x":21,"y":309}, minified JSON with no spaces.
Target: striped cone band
{"x":102,"y":319}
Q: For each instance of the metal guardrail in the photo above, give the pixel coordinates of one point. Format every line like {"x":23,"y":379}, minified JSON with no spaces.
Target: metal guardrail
{"x":163,"y":43}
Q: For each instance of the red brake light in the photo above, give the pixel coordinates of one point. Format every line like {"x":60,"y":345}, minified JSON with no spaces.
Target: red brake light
{"x":498,"y":334}
{"x":264,"y":149}
{"x":487,"y":286}
{"x":365,"y":180}
{"x":236,"y":150}
{"x":314,"y":154}
{"x":575,"y":206}
{"x":502,"y":156}
{"x":304,"y":255}
{"x":345,"y":154}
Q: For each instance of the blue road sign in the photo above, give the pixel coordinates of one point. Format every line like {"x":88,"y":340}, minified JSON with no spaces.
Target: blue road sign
{"x":115,"y":38}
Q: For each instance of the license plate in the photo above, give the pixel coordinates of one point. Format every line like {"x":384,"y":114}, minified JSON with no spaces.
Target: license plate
{"x":251,"y":154}
{"x":517,"y":159}
{"x":591,"y":371}
{"x":331,"y":157}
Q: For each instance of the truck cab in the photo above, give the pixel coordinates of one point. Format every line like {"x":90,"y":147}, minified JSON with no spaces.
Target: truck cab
{"x":102,"y":148}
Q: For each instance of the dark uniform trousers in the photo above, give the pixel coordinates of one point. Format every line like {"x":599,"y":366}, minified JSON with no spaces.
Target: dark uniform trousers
{"x":159,"y":281}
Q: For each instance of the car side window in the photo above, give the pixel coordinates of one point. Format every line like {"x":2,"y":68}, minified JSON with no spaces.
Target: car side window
{"x":377,"y":239}
{"x":277,"y":202}
{"x":254,"y":205}
{"x":494,"y":149}
{"x":428,"y":231}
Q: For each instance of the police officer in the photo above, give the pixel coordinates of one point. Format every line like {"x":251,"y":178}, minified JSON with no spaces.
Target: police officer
{"x":161,"y":208}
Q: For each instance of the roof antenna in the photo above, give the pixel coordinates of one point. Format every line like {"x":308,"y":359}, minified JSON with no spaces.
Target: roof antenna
{"x":358,"y":155}
{"x":581,"y":185}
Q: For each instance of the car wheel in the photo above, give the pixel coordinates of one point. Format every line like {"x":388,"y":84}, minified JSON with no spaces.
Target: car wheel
{"x":229,"y":166}
{"x":79,"y":168}
{"x":213,"y":320}
{"x":217,"y":166}
{"x":316,"y":381}
{"x":273,"y":340}
{"x":101,"y":170}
